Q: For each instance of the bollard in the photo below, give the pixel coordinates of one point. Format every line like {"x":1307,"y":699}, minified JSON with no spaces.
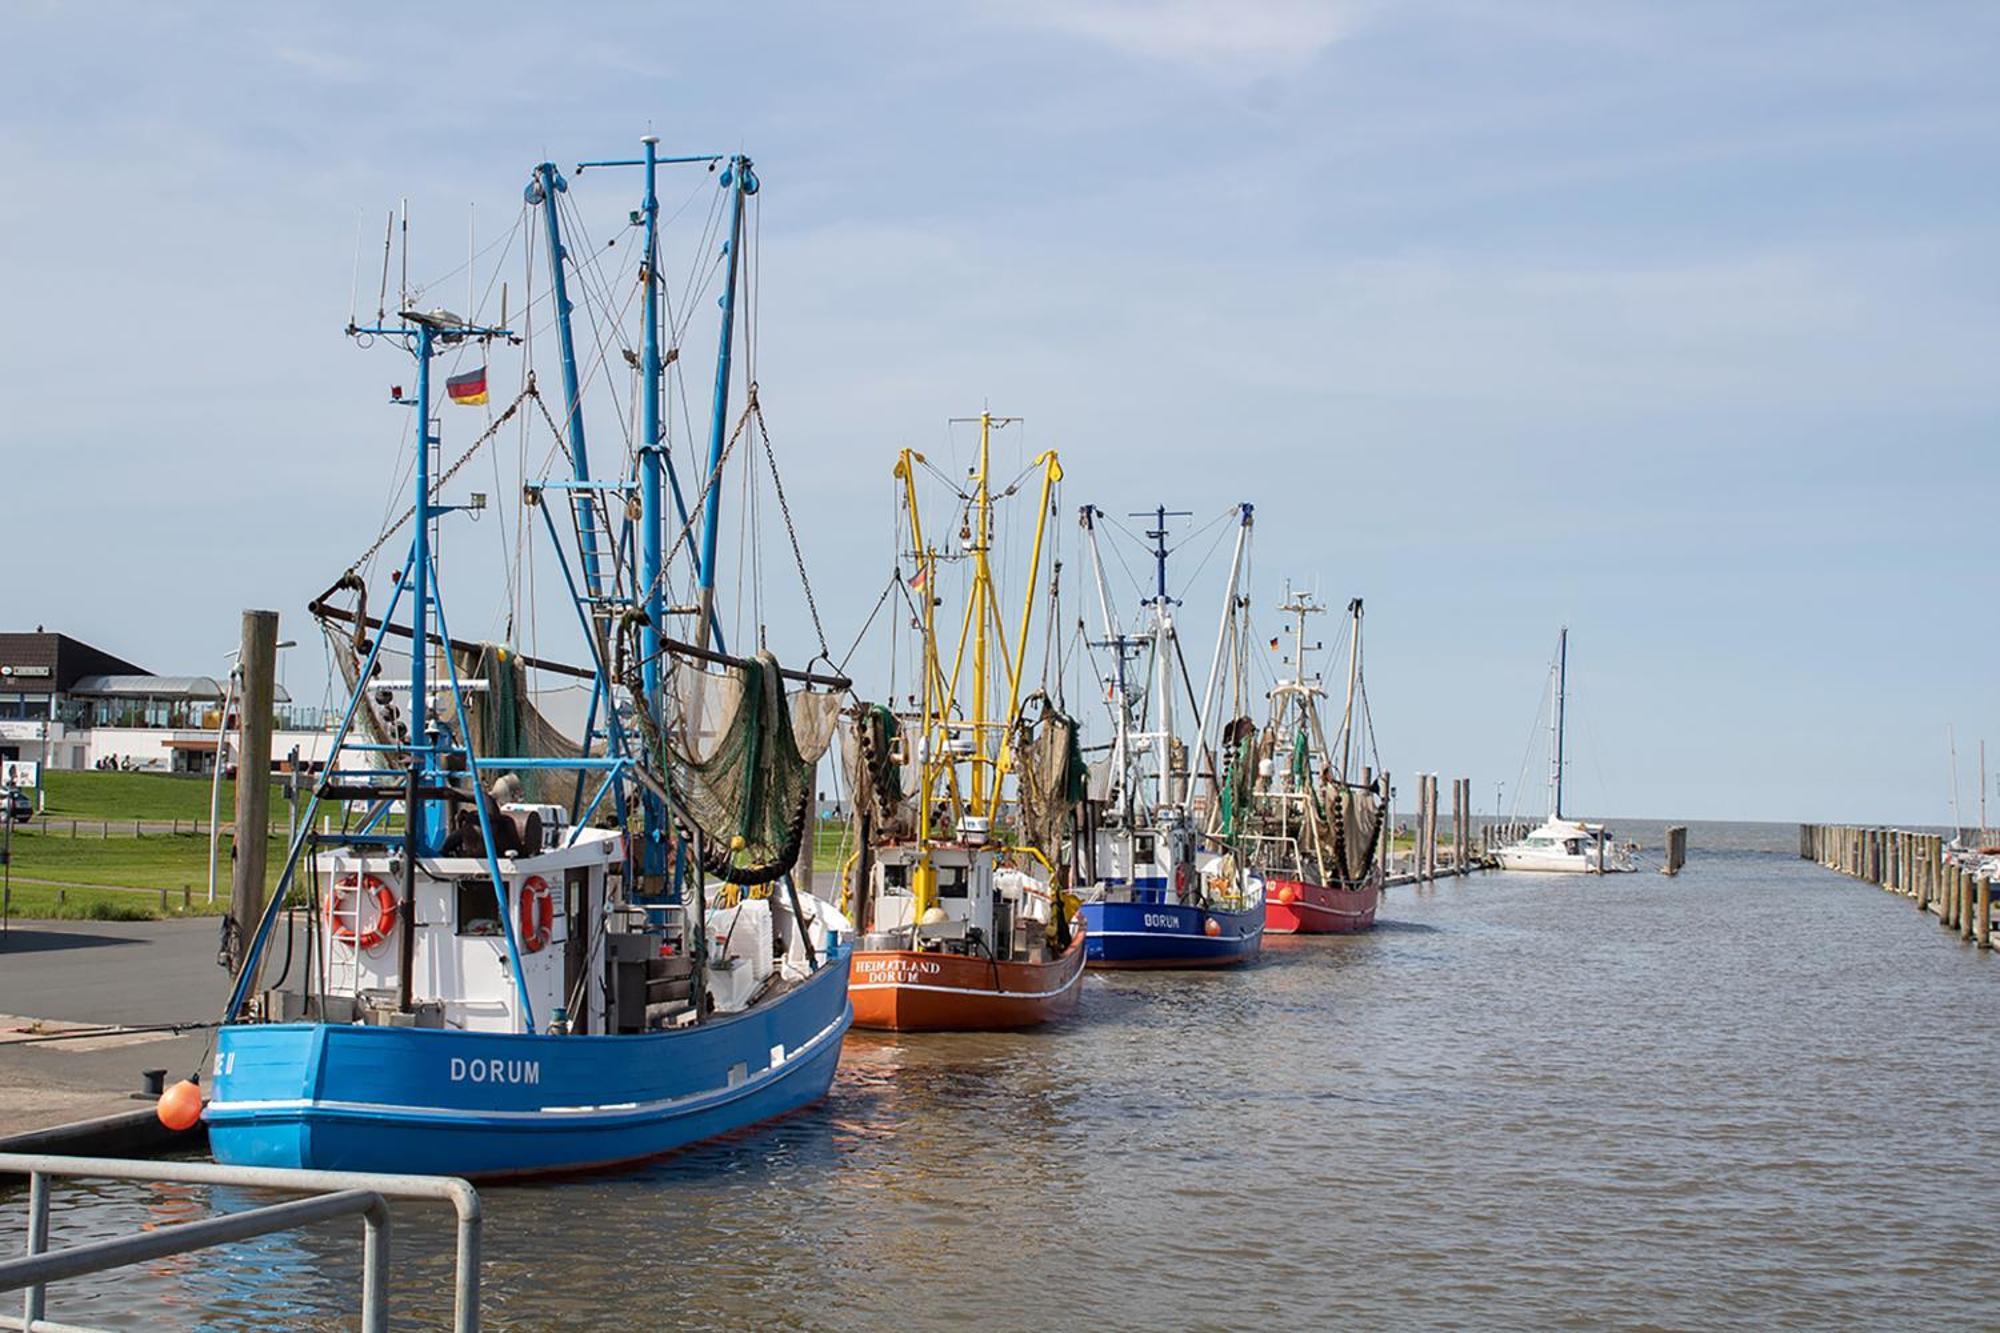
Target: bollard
{"x":187,"y":896}
{"x":163,"y":900}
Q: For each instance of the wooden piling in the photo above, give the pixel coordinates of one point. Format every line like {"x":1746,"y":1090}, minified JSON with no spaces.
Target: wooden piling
{"x":1677,"y":850}
{"x":1982,"y":908}
{"x":259,"y":665}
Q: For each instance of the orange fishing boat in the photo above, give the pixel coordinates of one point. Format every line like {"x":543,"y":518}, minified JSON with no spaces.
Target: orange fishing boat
{"x":958,"y":929}
{"x":1018,"y":973}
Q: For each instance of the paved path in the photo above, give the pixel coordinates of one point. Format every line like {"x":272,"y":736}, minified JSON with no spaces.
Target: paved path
{"x":100,"y":972}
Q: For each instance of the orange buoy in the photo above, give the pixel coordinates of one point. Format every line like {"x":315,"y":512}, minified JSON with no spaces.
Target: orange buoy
{"x":1287,"y":893}
{"x":180,"y":1105}
{"x":1212,"y":927}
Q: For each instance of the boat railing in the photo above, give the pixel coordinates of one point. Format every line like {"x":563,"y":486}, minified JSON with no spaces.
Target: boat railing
{"x":329,"y":1195}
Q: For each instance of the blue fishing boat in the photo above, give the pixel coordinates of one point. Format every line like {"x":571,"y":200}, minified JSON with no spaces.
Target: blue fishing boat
{"x":526,"y":952}
{"x":1161,"y":887}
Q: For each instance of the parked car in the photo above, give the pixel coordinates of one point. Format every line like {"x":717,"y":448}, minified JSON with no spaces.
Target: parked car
{"x":16,"y":806}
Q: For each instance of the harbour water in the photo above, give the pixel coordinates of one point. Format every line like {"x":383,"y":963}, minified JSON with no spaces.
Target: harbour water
{"x":1751,"y":1095}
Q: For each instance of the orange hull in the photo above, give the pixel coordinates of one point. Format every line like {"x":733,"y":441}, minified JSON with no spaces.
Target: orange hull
{"x":899,"y":990}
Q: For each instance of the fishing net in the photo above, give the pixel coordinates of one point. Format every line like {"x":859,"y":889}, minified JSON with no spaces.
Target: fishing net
{"x":504,"y":722}
{"x":1239,"y":769}
{"x":1363,"y":810}
{"x":868,"y":756}
{"x":1050,"y":778}
{"x":741,"y":768}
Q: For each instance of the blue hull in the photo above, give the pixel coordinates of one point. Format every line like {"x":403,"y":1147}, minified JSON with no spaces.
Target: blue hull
{"x":346,"y":1097}
{"x":1140,"y":935}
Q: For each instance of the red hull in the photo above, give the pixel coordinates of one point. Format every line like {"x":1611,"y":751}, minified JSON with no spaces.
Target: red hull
{"x":895,"y":990}
{"x":1299,"y":907}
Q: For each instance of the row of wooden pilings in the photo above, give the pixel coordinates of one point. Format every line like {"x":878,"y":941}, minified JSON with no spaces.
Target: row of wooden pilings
{"x":1451,"y":855}
{"x":1912,"y":864}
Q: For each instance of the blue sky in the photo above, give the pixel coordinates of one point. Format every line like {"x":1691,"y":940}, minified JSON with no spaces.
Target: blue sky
{"x":1673,"y":322}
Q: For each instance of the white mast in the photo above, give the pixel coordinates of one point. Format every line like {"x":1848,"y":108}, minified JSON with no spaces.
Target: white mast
{"x":1353,"y":679}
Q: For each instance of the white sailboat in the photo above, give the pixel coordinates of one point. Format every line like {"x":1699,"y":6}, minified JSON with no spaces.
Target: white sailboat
{"x":1561,"y":845}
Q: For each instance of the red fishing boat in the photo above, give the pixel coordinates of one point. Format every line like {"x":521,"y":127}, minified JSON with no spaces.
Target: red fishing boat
{"x":1310,"y":832}
{"x":1301,"y":907}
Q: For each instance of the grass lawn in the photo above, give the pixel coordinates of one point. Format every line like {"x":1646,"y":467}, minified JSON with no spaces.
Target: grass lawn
{"x":41,"y":903}
{"x":168,"y":796}
{"x":156,"y":861}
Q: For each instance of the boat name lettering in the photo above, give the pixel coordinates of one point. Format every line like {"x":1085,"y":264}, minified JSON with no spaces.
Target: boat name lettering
{"x":1162,"y":921}
{"x":876,"y":968}
{"x":477,"y":1070}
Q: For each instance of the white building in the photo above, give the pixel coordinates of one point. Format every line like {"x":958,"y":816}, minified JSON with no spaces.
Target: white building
{"x":67,"y":705}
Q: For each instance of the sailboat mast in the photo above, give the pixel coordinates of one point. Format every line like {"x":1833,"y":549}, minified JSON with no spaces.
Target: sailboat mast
{"x":1982,"y":791}
{"x":1951,"y":744}
{"x":740,"y":181}
{"x":1353,"y":679}
{"x":1561,"y":699}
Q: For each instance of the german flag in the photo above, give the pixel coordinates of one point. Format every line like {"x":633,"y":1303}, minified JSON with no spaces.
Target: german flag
{"x":469,"y":389}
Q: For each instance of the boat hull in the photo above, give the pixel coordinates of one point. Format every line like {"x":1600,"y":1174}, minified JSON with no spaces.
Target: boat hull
{"x":1169,"y":935}
{"x":1560,"y":863}
{"x":437,"y":1101}
{"x":1300,"y":907}
{"x":901,"y":990}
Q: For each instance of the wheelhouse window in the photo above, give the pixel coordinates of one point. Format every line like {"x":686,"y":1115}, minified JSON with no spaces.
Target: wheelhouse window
{"x":477,"y":908}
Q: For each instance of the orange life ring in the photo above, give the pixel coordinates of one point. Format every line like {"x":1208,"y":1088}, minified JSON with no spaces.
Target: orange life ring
{"x":344,"y":923}
{"x":538,"y":914}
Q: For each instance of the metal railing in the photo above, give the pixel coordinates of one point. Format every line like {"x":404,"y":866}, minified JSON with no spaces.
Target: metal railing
{"x":334,"y":1194}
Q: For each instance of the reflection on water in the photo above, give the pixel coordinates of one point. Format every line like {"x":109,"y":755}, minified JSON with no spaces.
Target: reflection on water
{"x":1743,"y":1096}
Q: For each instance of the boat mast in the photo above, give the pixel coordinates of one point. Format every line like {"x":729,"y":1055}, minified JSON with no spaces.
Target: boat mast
{"x":1561,"y":698}
{"x":1121,"y":710}
{"x":1163,"y":652}
{"x":542,"y":190}
{"x":654,"y":463}
{"x":740,"y":181}
{"x":1228,"y":620}
{"x":1951,"y":744}
{"x":1353,"y":680}
{"x":980,"y":609}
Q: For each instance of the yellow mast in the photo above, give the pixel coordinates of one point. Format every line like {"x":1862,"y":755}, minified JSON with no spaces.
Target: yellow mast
{"x":976,"y":612}
{"x":1051,"y":474}
{"x":982,"y":615}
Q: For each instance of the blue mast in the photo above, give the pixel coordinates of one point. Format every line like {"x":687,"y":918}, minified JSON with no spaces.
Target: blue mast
{"x":542,"y":190}
{"x":740,"y":180}
{"x":653,"y":461}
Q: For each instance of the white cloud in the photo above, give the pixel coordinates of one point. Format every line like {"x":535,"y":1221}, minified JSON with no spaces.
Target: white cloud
{"x":1229,"y":37}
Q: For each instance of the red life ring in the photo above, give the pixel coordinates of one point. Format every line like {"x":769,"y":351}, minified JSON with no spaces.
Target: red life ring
{"x":1181,"y":879}
{"x":343,"y":922}
{"x":538,"y":914}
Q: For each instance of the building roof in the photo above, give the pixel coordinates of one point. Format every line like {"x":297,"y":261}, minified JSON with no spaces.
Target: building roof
{"x":159,"y":687}
{"x":41,"y":662}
